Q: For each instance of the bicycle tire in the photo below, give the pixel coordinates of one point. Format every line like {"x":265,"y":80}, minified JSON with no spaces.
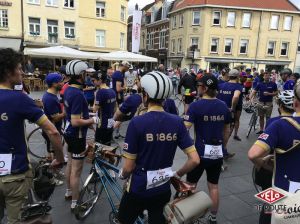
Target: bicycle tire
{"x":250,"y":125}
{"x":91,"y":186}
{"x":253,"y":179}
{"x":113,"y":218}
{"x":41,"y":155}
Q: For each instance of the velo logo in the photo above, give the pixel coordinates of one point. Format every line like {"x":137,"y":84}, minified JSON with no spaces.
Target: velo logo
{"x":270,"y":196}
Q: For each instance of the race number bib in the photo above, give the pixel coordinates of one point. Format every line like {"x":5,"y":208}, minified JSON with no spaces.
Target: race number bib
{"x":158,"y":177}
{"x":213,"y":152}
{"x":294,"y":187}
{"x":5,"y":164}
{"x":110,"y":123}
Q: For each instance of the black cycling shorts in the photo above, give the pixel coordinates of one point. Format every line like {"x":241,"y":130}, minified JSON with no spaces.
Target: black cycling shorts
{"x":132,"y":206}
{"x":76,"y":146}
{"x":189,"y":99}
{"x":104,"y":135}
{"x":213,"y":170}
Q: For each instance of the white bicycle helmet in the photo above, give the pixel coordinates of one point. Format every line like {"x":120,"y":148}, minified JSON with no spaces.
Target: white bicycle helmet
{"x":287,"y":98}
{"x":157,"y":85}
{"x":75,"y":67}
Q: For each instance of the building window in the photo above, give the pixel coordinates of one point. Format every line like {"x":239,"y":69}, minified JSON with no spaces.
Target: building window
{"x":194,"y":42}
{"x":174,"y":22}
{"x":34,"y":26}
{"x":34,"y":1}
{"x":217,"y":18}
{"x":246,"y":19}
{"x":165,"y":10}
{"x":69,"y":3}
{"x":214,"y":45}
{"x":100,"y":38}
{"x":52,"y":2}
{"x":271,"y":47}
{"x":122,"y":41}
{"x":244,"y":46}
{"x":3,"y":18}
{"x":70,"y":30}
{"x":298,"y":47}
{"x":123,"y":13}
{"x":228,"y":46}
{"x":231,"y":19}
{"x":162,"y":39}
{"x":100,"y":9}
{"x":181,"y":20}
{"x":150,"y":40}
{"x":284,"y":49}
{"x":52,"y":31}
{"x":179,"y":45}
{"x":288,"y":20}
{"x":173,"y":46}
{"x":196,"y":18}
{"x":274,"y":22}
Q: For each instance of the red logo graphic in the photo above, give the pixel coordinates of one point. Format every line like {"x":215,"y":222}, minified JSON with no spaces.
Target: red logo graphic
{"x":264,"y":136}
{"x":270,"y":196}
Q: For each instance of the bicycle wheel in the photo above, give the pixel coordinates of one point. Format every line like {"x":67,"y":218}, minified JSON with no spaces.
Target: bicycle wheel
{"x":88,"y":196}
{"x":113,"y":218}
{"x":257,"y":188}
{"x":251,"y":123}
{"x":37,"y":144}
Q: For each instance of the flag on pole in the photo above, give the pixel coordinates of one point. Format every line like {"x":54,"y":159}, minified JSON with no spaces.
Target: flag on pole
{"x":136,"y":30}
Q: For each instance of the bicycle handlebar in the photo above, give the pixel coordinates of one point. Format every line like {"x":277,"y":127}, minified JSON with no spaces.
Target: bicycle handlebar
{"x":181,"y":186}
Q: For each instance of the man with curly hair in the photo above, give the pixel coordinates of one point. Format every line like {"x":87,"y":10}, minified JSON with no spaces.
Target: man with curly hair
{"x":15,"y":172}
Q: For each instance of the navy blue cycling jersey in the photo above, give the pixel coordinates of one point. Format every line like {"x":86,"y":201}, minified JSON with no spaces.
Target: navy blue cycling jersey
{"x":289,"y":85}
{"x":117,"y":76}
{"x":226,"y":92}
{"x":75,"y":106}
{"x":52,"y":107}
{"x":170,"y":107}
{"x":209,"y":117}
{"x":152,"y":140}
{"x":280,"y":136}
{"x":106,"y":100}
{"x":269,"y":87}
{"x":130,"y":105}
{"x":273,"y":119}
{"x":16,"y":108}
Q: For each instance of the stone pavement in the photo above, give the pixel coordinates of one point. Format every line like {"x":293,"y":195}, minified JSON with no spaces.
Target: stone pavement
{"x":236,"y":187}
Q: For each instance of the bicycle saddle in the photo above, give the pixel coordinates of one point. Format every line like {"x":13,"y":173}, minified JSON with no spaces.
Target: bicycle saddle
{"x":181,"y":186}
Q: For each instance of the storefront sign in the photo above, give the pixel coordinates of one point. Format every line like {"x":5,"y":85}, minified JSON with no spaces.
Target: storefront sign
{"x":4,"y":3}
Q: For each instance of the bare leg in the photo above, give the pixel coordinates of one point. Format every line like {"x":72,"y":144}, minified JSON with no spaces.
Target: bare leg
{"x":237,"y":122}
{"x":214,"y":195}
{"x":68,"y":170}
{"x":262,"y":122}
{"x":76,"y":170}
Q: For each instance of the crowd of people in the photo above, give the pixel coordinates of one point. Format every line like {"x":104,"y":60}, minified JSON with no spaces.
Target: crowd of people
{"x":213,"y":105}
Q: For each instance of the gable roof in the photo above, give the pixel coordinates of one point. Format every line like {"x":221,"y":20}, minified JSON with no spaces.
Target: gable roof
{"x":282,"y":5}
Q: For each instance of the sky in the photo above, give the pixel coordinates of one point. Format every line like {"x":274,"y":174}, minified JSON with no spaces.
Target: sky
{"x":142,"y":3}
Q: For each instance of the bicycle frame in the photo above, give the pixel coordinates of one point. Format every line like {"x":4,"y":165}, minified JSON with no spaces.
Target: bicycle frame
{"x":102,"y":167}
{"x":107,"y":180}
